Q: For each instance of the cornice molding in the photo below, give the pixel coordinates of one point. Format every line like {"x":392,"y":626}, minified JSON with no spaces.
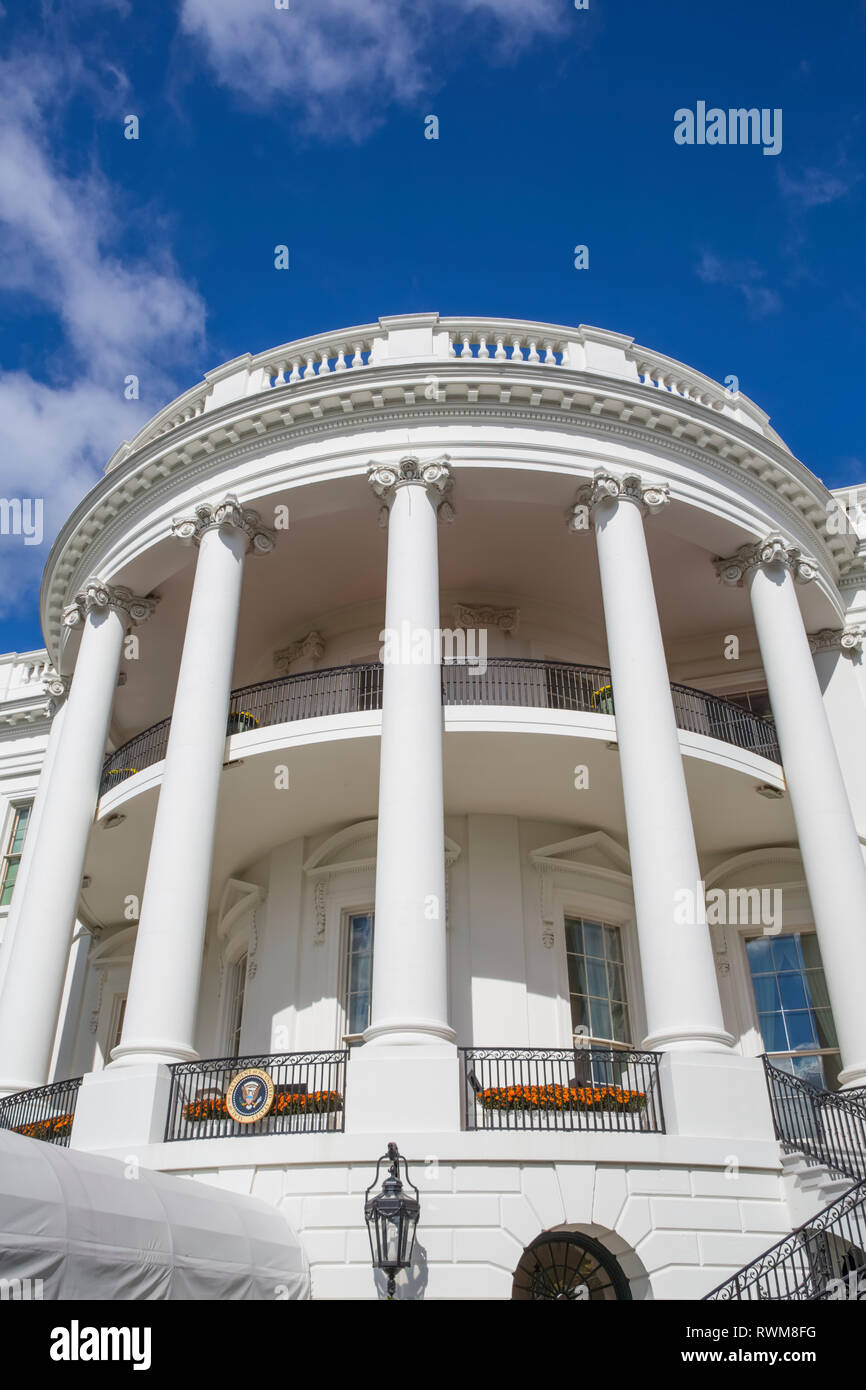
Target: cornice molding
{"x":774,"y":549}
{"x":271,"y":421}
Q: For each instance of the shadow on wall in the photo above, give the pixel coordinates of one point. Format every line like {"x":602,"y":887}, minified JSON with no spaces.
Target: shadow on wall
{"x":411,"y":1284}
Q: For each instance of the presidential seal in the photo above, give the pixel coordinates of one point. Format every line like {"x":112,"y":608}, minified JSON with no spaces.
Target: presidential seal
{"x":250,"y":1095}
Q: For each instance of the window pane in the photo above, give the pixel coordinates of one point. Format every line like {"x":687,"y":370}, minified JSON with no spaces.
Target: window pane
{"x":579,"y":1015}
{"x":612,"y":943}
{"x":811,"y":953}
{"x":825,"y":1028}
{"x":593,"y":938}
{"x":786,"y":956}
{"x":760,"y":954}
{"x":792,"y":991}
{"x":597,"y":978}
{"x":600,"y":1012}
{"x":361,"y":933}
{"x":773,"y":1032}
{"x":809,"y":1069}
{"x":573,"y":936}
{"x":359,"y":971}
{"x":766,"y":993}
{"x":616,"y":980}
{"x":801,"y":1033}
{"x":576,"y":974}
{"x":619,"y":1017}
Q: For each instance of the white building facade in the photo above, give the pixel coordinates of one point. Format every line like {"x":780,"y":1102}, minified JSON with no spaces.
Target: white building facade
{"x":461,"y":722}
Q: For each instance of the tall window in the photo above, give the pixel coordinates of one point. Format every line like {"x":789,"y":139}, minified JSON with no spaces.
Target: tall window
{"x":119,"y":1015}
{"x":596,"y":980}
{"x":359,"y":972}
{"x":794,"y":1007}
{"x":235,"y":1005}
{"x":12,"y":855}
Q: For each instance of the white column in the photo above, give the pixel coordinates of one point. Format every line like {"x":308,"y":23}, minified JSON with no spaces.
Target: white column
{"x":837,"y":654}
{"x":410,"y":992}
{"x":162,"y":1002}
{"x":681,"y":991}
{"x":35,"y":974}
{"x":829,"y":846}
{"x":57,"y":688}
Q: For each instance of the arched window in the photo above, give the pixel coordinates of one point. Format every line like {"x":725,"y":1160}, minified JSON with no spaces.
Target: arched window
{"x":569,"y":1265}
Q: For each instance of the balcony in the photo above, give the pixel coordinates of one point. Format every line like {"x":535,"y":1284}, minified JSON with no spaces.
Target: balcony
{"x":45,"y":1113}
{"x":307,"y":1096}
{"x":520,"y":684}
{"x":584,"y":1088}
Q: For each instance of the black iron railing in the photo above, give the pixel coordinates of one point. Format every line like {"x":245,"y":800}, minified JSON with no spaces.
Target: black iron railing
{"x":824,"y":1125}
{"x":825,"y":1258}
{"x":309,"y":1096}
{"x":588,"y":1088}
{"x":526,"y":684}
{"x":822,"y":1259}
{"x":45,"y":1113}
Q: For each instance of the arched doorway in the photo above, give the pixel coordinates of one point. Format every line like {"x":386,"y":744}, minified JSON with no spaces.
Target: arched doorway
{"x":568,"y":1265}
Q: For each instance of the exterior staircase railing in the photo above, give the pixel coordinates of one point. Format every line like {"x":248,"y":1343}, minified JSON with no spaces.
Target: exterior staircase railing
{"x":825,"y":1258}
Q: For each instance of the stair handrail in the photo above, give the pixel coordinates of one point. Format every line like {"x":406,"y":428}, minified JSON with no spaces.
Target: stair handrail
{"x":823,"y":1124}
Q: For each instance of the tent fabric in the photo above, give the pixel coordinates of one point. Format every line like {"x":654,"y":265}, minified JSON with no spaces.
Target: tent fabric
{"x":97,"y":1228}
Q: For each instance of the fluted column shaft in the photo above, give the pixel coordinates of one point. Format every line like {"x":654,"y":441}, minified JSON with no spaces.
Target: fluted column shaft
{"x":681,"y":992}
{"x":33,"y":983}
{"x":159,"y":1022}
{"x":410,"y":995}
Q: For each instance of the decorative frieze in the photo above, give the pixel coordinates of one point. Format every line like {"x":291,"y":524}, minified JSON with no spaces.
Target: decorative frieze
{"x":311,"y":648}
{"x":606,"y":486}
{"x":773,"y":550}
{"x":96,"y":597}
{"x":843,"y":639}
{"x":467,"y":615}
{"x":435,"y":475}
{"x":228,"y":512}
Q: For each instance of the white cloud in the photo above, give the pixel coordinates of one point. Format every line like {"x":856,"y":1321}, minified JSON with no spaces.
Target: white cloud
{"x":341,"y":62}
{"x":816,"y":187}
{"x":743,"y":276}
{"x":61,"y":246}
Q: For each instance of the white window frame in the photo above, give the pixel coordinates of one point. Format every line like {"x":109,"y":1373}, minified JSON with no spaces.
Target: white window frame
{"x":614,"y":913}
{"x":347,"y":1039}
{"x":13,"y":810}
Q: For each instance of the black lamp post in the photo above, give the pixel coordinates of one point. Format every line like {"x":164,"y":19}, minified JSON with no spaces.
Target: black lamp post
{"x":391,"y":1217}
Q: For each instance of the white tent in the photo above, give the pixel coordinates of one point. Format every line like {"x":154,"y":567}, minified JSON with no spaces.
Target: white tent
{"x":96,"y":1228}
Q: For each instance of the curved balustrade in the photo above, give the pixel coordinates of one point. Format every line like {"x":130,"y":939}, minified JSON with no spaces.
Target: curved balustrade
{"x":523,"y":684}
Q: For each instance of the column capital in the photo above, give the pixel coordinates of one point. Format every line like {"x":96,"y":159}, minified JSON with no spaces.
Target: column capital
{"x":97,"y":597}
{"x":837,"y":639}
{"x":606,"y":486}
{"x":774,"y":549}
{"x":56,"y":688}
{"x":435,"y":475}
{"x":208,"y":516}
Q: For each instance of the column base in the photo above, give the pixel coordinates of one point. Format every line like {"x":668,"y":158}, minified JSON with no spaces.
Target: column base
{"x":409,"y":1032}
{"x":151,"y":1054}
{"x":695,"y":1040}
{"x":121,"y":1109}
{"x":395,"y":1090}
{"x":710,"y":1096}
{"x":852,"y":1077}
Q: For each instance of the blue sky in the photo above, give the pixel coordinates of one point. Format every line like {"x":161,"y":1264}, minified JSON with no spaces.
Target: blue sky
{"x":305,"y":126}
